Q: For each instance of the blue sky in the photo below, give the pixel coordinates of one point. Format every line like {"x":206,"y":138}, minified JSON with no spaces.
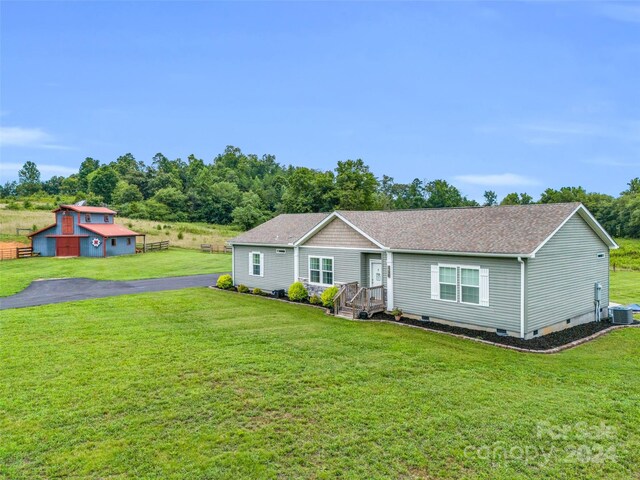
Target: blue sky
{"x":503,"y":96}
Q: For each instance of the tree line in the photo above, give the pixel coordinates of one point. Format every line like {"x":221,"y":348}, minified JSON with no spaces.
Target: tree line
{"x":245,"y":189}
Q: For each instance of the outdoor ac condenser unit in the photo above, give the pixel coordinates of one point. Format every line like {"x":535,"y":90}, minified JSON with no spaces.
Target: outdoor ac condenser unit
{"x":622,"y":315}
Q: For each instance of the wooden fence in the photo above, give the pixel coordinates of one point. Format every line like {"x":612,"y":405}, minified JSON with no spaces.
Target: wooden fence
{"x":17,"y":252}
{"x":208,"y":248}
{"x":155,"y":246}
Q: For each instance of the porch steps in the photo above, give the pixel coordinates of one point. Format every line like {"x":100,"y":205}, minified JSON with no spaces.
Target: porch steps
{"x":345,"y":312}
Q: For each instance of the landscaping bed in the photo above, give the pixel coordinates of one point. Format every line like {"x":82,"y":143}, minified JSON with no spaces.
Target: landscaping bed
{"x":545,"y":342}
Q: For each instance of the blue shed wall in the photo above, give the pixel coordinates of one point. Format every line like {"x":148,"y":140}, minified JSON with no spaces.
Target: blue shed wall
{"x":121,"y":247}
{"x":76,"y":228}
{"x":88,"y":250}
{"x":97,"y":218}
{"x":46,"y":246}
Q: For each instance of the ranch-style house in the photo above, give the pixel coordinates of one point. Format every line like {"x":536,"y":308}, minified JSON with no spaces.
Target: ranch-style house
{"x":523,"y":270}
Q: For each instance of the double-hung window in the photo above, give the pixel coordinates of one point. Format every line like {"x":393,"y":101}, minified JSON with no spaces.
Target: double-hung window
{"x":321,"y":270}
{"x":449,"y":283}
{"x":470,"y":285}
{"x":256,"y":264}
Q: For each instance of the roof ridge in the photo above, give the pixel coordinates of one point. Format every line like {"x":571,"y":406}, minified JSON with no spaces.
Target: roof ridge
{"x":467,"y":207}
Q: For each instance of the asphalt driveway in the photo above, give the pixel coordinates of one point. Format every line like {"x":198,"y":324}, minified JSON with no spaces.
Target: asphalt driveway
{"x":43,"y":292}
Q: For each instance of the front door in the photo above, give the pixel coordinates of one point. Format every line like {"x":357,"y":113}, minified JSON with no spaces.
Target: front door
{"x":67,"y":247}
{"x":375,"y":273}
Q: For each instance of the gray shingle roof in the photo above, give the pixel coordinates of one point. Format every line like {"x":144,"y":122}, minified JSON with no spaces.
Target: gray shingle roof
{"x":517,"y":229}
{"x":281,"y":230}
{"x":506,"y":230}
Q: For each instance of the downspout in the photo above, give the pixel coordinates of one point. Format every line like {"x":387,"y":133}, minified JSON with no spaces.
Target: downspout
{"x":296,"y":263}
{"x":521,"y":297}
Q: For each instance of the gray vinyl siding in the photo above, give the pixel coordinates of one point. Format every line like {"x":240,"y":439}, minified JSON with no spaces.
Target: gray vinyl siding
{"x":278,"y":268}
{"x":347,"y":264}
{"x":412,"y":290}
{"x":561,"y":277}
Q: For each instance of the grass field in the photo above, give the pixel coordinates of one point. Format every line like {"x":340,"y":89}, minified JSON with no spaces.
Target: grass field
{"x":193,"y":234}
{"x":627,"y":257}
{"x":206,"y":384}
{"x":15,"y":275}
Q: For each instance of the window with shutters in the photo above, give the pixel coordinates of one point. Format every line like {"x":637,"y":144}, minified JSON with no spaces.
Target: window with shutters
{"x":460,"y":284}
{"x":256,"y":264}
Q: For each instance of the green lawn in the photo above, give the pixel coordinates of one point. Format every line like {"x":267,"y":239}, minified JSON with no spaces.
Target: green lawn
{"x":15,"y":275}
{"x":625,"y":286}
{"x":206,"y":384}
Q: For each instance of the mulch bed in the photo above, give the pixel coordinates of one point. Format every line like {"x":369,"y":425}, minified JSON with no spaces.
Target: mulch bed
{"x":544,"y":342}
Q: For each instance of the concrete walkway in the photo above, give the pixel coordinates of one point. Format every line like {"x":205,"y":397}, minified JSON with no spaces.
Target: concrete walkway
{"x":44,"y":292}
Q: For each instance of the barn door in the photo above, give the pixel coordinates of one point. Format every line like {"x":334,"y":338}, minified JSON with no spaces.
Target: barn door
{"x":67,"y":247}
{"x":67,"y":225}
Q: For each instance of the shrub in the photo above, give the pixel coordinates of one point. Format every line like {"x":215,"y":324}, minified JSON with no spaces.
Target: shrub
{"x":297,"y":292}
{"x":243,"y":288}
{"x":257,"y":291}
{"x":13,"y":206}
{"x":180,"y":236}
{"x":159,"y":227}
{"x":225,"y":282}
{"x":315,"y":300}
{"x":327,"y":296}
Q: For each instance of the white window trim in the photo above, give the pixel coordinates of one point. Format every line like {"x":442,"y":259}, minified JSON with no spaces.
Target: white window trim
{"x":333,"y":270}
{"x":445,"y":265}
{"x":464,"y":267}
{"x":251,"y":254}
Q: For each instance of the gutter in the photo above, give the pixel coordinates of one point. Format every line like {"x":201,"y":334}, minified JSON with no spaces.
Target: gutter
{"x":521,"y":296}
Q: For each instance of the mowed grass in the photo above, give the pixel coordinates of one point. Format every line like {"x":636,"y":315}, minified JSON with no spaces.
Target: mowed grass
{"x":625,"y":286}
{"x":207,"y":384}
{"x":15,"y":275}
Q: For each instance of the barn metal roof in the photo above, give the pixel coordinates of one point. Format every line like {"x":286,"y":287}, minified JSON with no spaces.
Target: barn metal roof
{"x":109,"y":229}
{"x":80,"y":209}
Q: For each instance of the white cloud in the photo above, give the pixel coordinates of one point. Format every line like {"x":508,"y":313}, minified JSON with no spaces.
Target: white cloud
{"x":497,"y":180}
{"x":28,"y":137}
